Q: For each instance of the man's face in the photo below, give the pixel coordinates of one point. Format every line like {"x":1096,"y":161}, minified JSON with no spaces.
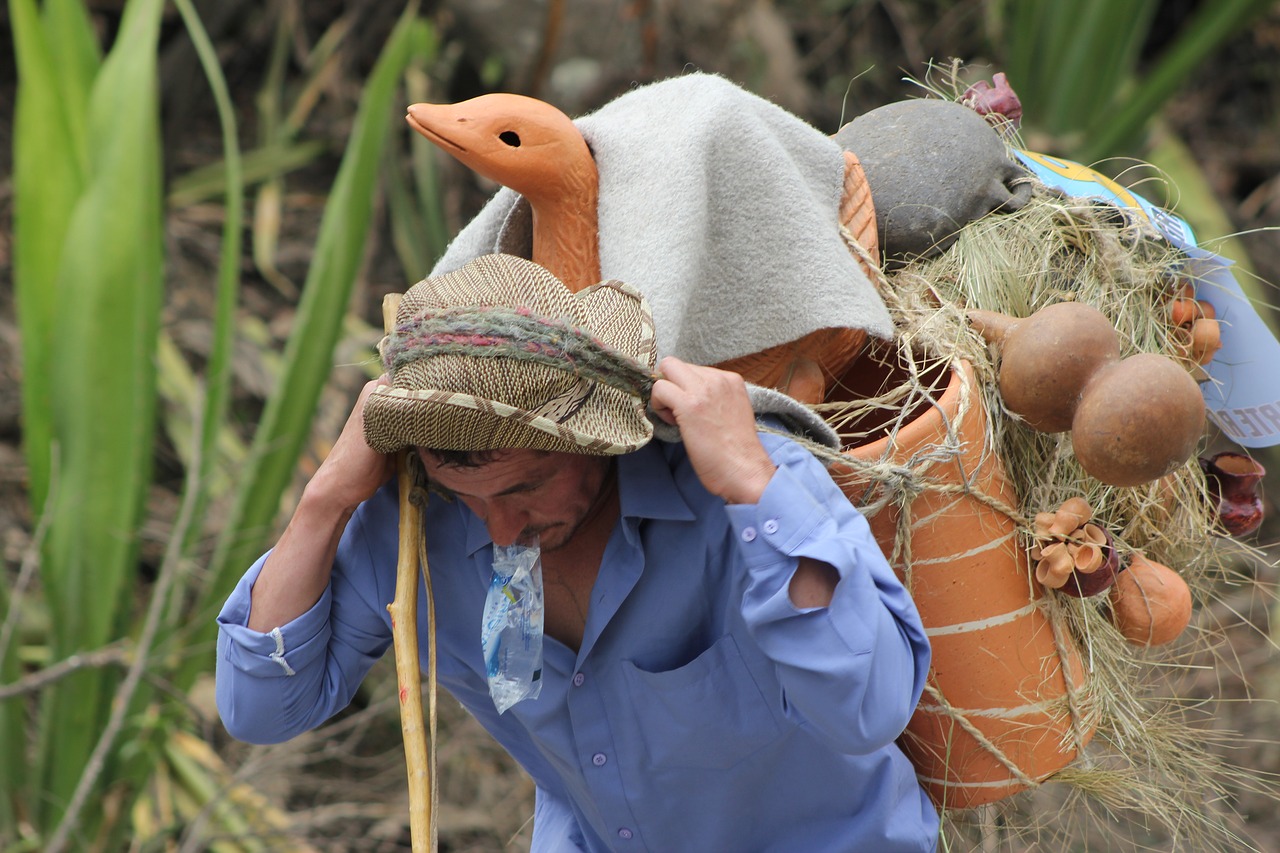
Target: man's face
{"x":522,"y":493}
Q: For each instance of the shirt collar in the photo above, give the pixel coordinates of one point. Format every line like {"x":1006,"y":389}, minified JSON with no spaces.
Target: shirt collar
{"x":646,"y":487}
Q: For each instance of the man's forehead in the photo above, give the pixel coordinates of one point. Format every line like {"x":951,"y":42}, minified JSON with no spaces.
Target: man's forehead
{"x":461,"y":460}
{"x":496,"y":472}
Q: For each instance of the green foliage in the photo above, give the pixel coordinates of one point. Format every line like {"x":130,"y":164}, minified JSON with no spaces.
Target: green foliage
{"x":96,"y":326}
{"x":89,"y":273}
{"x":1086,"y":95}
{"x":1076,"y":65}
{"x":286,"y":421}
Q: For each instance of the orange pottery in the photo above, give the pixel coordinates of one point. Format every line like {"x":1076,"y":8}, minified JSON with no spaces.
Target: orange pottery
{"x":996,"y":717}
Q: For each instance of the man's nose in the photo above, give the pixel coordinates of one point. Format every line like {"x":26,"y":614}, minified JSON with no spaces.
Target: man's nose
{"x":505,"y":526}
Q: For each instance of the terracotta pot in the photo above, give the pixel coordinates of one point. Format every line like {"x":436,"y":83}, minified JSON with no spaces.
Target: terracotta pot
{"x":996,"y":666}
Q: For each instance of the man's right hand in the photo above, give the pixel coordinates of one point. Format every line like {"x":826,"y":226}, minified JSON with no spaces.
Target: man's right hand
{"x":352,"y":471}
{"x":297,"y":570}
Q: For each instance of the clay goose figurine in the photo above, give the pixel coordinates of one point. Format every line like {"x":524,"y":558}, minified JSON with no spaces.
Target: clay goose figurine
{"x":533,"y":148}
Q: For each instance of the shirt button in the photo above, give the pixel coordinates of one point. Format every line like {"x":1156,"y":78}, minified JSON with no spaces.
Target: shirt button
{"x":624,"y":834}
{"x":748,"y":534}
{"x":578,"y":678}
{"x":770,"y":526}
{"x":599,"y":759}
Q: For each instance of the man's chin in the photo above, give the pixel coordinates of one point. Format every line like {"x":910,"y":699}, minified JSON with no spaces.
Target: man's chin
{"x":552,"y":541}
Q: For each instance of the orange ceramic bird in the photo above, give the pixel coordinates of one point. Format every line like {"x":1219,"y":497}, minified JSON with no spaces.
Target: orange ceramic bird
{"x":535,"y":149}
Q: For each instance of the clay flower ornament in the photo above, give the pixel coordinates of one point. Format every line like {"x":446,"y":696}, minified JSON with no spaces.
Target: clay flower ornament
{"x":998,"y":104}
{"x":1197,"y":331}
{"x":1073,"y":554}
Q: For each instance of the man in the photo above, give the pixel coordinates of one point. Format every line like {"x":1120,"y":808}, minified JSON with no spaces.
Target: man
{"x":728,"y":658}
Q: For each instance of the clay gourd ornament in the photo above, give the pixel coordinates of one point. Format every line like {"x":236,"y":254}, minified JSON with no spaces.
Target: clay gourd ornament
{"x":1150,"y":603}
{"x":1132,"y":420}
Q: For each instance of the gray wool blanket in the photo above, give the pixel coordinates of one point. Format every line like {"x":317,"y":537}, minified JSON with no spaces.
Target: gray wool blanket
{"x":722,"y":208}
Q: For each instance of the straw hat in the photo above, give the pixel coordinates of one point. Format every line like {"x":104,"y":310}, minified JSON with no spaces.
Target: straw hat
{"x":500,"y":354}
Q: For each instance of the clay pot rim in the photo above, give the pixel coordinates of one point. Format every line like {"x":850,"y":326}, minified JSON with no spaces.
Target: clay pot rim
{"x":1235,"y":464}
{"x":927,"y":424}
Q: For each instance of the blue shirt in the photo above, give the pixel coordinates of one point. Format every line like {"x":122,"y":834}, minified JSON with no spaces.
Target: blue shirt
{"x":704,"y":711}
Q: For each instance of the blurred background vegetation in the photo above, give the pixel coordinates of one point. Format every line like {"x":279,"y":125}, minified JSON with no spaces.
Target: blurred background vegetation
{"x":201,"y":208}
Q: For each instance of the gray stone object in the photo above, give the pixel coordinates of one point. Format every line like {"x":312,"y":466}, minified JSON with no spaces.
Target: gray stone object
{"x":933,"y":166}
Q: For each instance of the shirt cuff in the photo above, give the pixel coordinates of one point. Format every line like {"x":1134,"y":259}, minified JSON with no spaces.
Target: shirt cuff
{"x":282,"y":650}
{"x":786,"y":516}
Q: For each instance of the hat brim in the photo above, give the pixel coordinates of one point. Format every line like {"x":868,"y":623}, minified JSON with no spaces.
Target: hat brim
{"x":449,"y":420}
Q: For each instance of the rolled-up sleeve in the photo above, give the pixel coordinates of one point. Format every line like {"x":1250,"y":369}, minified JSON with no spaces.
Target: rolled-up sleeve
{"x":853,"y":670}
{"x":273,"y":686}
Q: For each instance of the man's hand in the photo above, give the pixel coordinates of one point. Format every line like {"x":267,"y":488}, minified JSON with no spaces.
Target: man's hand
{"x":297,"y":571}
{"x":352,"y":471}
{"x":718,"y":428}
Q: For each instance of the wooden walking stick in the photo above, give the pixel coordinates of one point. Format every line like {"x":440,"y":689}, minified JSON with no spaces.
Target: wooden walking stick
{"x":419,"y":736}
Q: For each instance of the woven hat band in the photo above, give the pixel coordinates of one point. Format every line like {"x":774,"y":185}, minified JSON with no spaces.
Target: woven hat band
{"x":517,"y":334}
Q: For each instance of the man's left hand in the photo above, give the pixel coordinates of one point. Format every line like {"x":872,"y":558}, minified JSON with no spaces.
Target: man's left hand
{"x":718,"y":427}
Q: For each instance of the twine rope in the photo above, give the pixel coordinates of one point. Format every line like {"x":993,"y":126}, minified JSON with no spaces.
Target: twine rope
{"x":516,"y":334}
{"x":1075,"y":696}
{"x":974,"y":732}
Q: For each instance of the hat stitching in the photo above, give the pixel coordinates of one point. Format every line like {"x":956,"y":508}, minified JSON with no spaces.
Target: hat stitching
{"x":512,"y":415}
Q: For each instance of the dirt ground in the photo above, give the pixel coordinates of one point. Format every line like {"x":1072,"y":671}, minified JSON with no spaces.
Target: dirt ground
{"x":343,"y":787}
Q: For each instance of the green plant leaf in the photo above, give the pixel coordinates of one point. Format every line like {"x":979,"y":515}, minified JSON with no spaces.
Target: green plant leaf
{"x":49,"y":174}
{"x":285,"y":423}
{"x":217,"y":388}
{"x":257,"y":165}
{"x":109,"y":290}
{"x":1206,"y":31}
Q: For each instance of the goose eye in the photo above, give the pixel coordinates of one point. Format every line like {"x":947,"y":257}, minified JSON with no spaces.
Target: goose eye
{"x":510,"y":137}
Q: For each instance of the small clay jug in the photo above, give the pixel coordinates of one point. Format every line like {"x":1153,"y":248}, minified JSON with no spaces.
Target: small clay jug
{"x":1233,"y":481}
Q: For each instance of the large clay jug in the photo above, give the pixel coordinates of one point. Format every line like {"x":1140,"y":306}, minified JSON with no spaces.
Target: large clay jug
{"x":996,"y":716}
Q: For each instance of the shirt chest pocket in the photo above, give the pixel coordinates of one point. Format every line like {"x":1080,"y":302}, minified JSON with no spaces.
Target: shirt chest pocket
{"x":709,"y":713}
